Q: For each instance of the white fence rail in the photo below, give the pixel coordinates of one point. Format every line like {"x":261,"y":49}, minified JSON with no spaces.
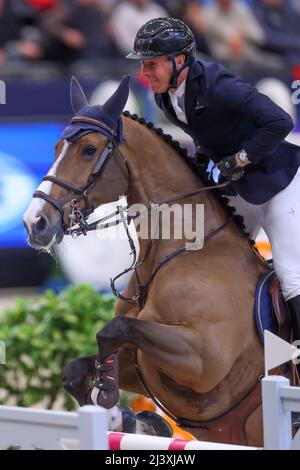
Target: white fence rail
{"x":279,"y":401}
{"x":87,"y":428}
{"x":43,"y":429}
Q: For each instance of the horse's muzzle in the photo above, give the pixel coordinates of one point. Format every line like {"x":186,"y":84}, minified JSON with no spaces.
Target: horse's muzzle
{"x":43,"y":234}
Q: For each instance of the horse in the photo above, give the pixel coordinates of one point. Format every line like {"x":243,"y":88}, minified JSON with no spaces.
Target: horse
{"x":184,"y":331}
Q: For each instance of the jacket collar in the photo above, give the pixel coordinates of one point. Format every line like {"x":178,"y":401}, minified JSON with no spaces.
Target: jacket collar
{"x":192,"y":87}
{"x":195,"y":71}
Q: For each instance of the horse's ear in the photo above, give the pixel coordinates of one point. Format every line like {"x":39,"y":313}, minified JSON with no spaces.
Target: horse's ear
{"x":77,"y":96}
{"x":116,"y":103}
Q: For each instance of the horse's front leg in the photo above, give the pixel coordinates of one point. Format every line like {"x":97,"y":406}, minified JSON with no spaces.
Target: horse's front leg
{"x":173,"y":346}
{"x":77,"y":376}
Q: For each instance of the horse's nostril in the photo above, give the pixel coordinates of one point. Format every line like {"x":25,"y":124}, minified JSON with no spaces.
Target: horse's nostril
{"x":41,"y":223}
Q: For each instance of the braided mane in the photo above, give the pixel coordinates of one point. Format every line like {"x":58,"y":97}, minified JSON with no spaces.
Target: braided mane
{"x":238,"y":220}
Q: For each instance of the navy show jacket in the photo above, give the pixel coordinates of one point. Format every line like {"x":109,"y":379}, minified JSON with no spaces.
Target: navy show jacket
{"x":226,"y":115}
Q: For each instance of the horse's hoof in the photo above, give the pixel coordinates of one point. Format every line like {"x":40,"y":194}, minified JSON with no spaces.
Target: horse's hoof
{"x":73,"y":376}
{"x":104,"y":398}
{"x":154,"y":422}
{"x":128,"y":420}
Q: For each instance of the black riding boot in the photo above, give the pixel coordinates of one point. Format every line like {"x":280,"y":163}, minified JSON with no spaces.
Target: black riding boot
{"x":294,"y":308}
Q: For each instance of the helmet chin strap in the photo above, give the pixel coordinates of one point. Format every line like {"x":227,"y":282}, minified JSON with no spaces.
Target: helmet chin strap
{"x":176,"y":72}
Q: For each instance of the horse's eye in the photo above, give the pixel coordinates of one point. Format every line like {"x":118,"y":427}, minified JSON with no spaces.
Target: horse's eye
{"x":89,"y":151}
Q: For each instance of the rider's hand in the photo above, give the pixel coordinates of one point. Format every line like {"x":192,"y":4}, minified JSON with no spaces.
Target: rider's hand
{"x":231,"y":168}
{"x":201,"y":160}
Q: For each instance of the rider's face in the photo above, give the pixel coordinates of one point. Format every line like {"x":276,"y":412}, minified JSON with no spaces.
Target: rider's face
{"x":159,"y":72}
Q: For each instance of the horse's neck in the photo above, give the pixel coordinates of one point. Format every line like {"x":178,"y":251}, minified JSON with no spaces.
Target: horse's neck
{"x":159,"y":173}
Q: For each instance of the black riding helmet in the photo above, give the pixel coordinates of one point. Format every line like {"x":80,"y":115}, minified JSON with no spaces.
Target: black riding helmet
{"x":165,"y":36}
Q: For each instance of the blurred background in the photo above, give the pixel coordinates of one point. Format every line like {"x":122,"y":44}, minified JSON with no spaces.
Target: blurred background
{"x":43,"y":43}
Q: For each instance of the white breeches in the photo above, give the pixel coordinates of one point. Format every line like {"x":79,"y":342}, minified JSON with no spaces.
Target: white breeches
{"x":280,"y":219}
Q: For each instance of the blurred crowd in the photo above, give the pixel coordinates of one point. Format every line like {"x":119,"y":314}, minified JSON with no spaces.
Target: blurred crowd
{"x":245,"y":35}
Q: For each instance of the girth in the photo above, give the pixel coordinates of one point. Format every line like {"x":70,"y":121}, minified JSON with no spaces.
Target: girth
{"x":228,"y":427}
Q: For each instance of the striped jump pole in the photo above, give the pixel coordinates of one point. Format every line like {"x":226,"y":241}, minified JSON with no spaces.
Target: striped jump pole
{"x":122,"y":441}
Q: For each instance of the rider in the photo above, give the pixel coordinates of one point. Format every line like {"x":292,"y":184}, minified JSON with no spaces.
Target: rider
{"x":241,"y":130}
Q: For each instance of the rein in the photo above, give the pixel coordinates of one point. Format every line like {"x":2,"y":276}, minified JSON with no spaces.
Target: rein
{"x":142,"y":290}
{"x":79,"y":216}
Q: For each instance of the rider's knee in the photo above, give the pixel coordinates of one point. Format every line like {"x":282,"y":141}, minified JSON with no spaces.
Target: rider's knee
{"x":290,"y":283}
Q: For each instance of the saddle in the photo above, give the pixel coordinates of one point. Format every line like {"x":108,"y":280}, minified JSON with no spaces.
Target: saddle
{"x":271,"y":313}
{"x":270,"y":310}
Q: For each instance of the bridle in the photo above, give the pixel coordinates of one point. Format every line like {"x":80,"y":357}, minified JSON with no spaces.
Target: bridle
{"x":79,"y":216}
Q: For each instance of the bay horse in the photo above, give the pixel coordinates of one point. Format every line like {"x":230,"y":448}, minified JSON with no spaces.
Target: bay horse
{"x":189,"y":340}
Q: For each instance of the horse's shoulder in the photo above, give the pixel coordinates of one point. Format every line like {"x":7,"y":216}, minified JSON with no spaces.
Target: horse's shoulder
{"x":124,"y":309}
